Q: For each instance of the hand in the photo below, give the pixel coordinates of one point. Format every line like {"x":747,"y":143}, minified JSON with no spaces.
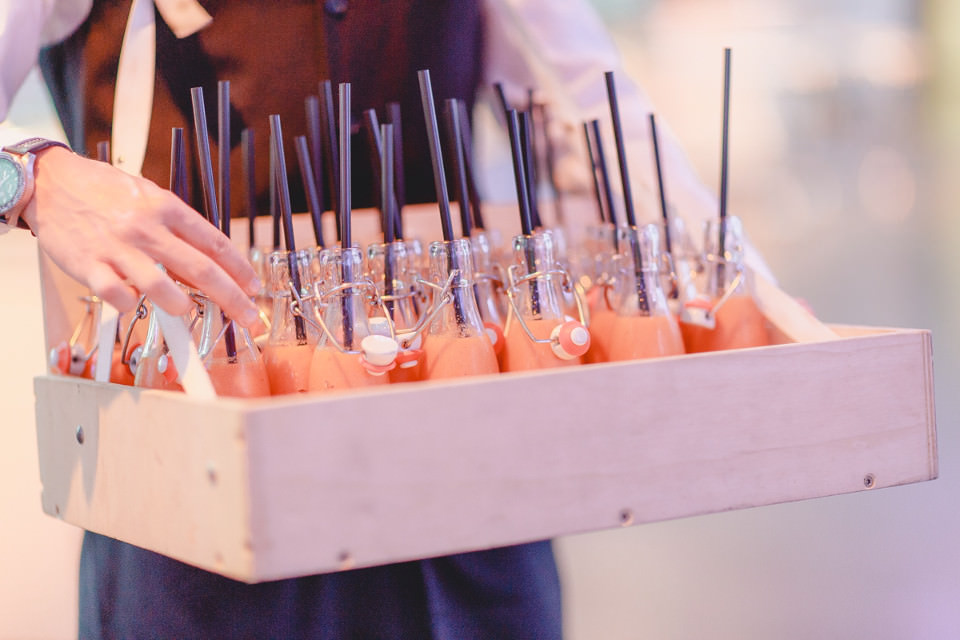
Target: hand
{"x":108,"y":230}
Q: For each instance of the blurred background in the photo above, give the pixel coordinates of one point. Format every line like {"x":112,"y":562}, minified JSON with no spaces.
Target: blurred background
{"x":845,"y":137}
{"x":843,"y":142}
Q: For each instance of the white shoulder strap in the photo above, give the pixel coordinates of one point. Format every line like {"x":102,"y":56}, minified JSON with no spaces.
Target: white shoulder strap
{"x":133,"y":98}
{"x":193,"y":377}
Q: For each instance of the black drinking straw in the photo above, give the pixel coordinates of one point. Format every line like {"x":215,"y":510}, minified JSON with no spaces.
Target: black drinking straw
{"x":436,"y":155}
{"x":519,"y":172}
{"x":605,"y":178}
{"x":526,"y":141}
{"x":724,"y":164}
{"x":223,"y":182}
{"x":176,"y":160}
{"x":103,"y":151}
{"x":663,"y":195}
{"x":249,"y":180}
{"x":387,"y":199}
{"x":310,"y":187}
{"x":343,"y":199}
{"x":178,"y":164}
{"x":375,"y":141}
{"x":387,"y":202}
{"x":523,"y":200}
{"x":315,"y":140}
{"x":343,"y":196}
{"x":399,"y":180}
{"x":621,"y":149}
{"x":455,"y":147}
{"x":328,"y":138}
{"x":209,"y":188}
{"x":467,"y":140}
{"x":372,"y":127}
{"x":206,"y":163}
{"x":223,"y":154}
{"x":594,"y":172}
{"x":274,"y":185}
{"x":182,"y":168}
{"x":642,"y":301}
{"x":283,"y":205}
{"x":439,"y":179}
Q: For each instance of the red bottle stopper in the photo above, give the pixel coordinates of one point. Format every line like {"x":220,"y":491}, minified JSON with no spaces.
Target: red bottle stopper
{"x":495,"y":333}
{"x":570,"y":340}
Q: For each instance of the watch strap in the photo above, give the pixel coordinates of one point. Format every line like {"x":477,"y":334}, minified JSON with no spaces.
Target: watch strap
{"x":32,"y":145}
{"x":24,"y":150}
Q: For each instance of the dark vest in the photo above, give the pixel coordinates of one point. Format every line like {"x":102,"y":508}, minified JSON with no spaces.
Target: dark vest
{"x":275,"y":53}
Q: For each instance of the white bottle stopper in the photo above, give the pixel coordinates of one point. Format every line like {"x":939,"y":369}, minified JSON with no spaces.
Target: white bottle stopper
{"x":379,"y":350}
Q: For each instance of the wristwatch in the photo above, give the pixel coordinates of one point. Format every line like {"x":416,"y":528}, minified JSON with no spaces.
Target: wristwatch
{"x":16,"y":178}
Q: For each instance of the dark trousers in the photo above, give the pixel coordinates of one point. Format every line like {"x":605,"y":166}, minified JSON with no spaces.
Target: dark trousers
{"x":511,"y":592}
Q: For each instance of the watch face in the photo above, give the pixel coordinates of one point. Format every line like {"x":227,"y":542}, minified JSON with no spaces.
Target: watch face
{"x":11,"y":181}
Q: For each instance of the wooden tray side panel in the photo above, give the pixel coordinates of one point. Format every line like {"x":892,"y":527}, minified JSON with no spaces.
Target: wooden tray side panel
{"x":154,"y":469}
{"x":505,"y":460}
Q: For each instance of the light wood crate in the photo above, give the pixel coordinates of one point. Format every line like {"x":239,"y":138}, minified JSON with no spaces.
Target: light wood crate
{"x":265,"y":489}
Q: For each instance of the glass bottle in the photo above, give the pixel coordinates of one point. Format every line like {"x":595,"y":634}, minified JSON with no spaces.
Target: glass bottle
{"x":536,"y":318}
{"x":394,"y":270}
{"x":562,"y":260}
{"x":680,"y":266}
{"x":230,"y":356}
{"x":258,"y":259}
{"x":726,"y":316}
{"x":456,"y":343}
{"x":155,"y":366}
{"x":644,"y":326}
{"x":601,"y":244}
{"x":489,"y":301}
{"x":289,"y":347}
{"x":338,"y":358}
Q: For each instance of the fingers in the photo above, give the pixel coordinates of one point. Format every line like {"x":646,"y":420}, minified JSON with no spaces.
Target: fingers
{"x":194,"y":267}
{"x":110,"y":229}
{"x":107,"y":285}
{"x":199,"y":233}
{"x":149,"y":279}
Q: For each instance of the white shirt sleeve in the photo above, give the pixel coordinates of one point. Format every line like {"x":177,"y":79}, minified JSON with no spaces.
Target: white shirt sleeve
{"x":25,"y":27}
{"x":562,"y":49}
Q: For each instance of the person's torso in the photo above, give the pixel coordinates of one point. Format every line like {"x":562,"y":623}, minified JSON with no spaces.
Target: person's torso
{"x":275,"y":54}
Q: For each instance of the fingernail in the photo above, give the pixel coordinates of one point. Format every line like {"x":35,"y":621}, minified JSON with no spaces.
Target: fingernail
{"x":253,"y":288}
{"x":250,"y":317}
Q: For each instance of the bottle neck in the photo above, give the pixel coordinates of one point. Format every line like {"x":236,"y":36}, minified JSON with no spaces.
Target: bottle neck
{"x":724,"y":257}
{"x":639,"y":290}
{"x":286,"y":273}
{"x":460,"y":315}
{"x":222,"y":340}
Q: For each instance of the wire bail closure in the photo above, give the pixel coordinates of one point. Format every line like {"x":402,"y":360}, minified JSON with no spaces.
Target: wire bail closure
{"x":568,"y":340}
{"x":70,"y":358}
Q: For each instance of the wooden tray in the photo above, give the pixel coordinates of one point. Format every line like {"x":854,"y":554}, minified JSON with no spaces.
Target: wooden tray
{"x":260,"y":490}
{"x":281,"y":487}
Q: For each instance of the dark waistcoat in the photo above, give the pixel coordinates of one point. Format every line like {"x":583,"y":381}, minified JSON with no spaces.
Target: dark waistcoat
{"x":275,"y":53}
